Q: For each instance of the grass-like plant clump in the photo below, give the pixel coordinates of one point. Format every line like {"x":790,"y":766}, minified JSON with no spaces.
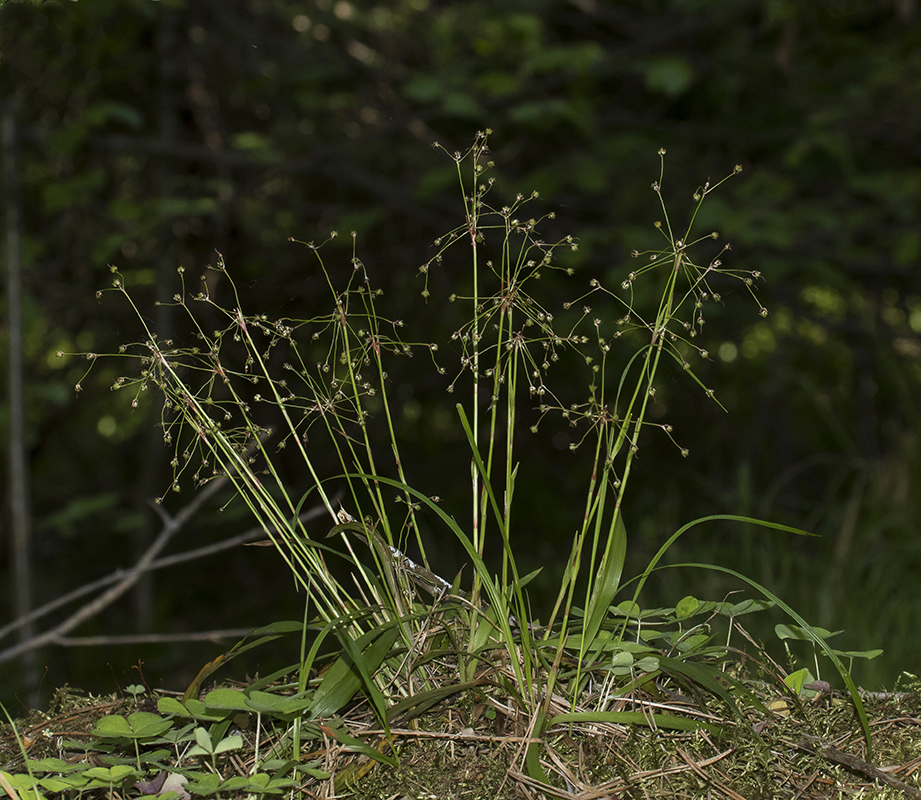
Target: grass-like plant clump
{"x":395,"y":660}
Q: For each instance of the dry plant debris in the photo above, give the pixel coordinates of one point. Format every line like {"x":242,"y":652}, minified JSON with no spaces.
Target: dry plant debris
{"x":471,"y":748}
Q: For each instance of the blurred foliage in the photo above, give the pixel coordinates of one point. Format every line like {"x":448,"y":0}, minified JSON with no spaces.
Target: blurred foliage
{"x":153,"y":134}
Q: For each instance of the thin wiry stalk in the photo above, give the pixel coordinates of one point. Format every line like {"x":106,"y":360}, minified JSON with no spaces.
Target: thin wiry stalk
{"x":472,"y":206}
{"x":306,"y":563}
{"x":508,"y":342}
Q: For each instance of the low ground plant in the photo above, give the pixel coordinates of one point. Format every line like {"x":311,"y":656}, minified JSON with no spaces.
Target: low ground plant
{"x":395,"y":657}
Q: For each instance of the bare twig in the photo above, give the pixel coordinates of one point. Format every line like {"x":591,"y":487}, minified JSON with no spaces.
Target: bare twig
{"x":151,"y":638}
{"x":252,"y":534}
{"x":813,"y":744}
{"x":171,"y":524}
{"x":123,"y":580}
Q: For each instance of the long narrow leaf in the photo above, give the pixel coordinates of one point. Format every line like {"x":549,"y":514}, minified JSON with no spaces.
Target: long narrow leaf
{"x":353,"y":669}
{"x":633,"y":718}
{"x":817,"y":638}
{"x":607,"y":583}
{"x":522,"y":610}
{"x":496,"y":598}
{"x":700,"y":520}
{"x":420,"y":702}
{"x":267,"y":633}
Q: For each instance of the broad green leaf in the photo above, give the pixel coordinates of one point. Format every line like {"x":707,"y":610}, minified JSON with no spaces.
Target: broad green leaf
{"x":808,"y":633}
{"x":258,"y":784}
{"x":205,"y":784}
{"x":622,"y":658}
{"x":845,"y":675}
{"x":868,"y":654}
{"x":51,"y":765}
{"x":647,"y":664}
{"x":688,"y":644}
{"x":112,"y":726}
{"x":687,"y":607}
{"x":319,"y":774}
{"x":711,"y":518}
{"x":267,"y":633}
{"x":629,"y":608}
{"x":749,"y":606}
{"x":228,"y":743}
{"x":796,"y":680}
{"x":118,"y":774}
{"x":196,"y":706}
{"x":64,"y":784}
{"x":139,"y":725}
{"x":268,"y":703}
{"x":602,"y":645}
{"x":170,"y":705}
{"x":145,"y":724}
{"x":226,"y":699}
{"x":21,"y":785}
{"x":196,"y":709}
{"x":205,"y":745}
{"x":242,"y":782}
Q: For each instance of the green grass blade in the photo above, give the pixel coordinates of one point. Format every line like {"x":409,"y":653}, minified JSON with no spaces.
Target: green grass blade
{"x":496,"y":598}
{"x":607,"y":583}
{"x":484,"y":472}
{"x":352,"y":670}
{"x":420,"y":702}
{"x":641,"y":581}
{"x":816,"y":638}
{"x":267,"y":633}
{"x":634,"y":718}
{"x":701,"y":675}
{"x":532,"y":754}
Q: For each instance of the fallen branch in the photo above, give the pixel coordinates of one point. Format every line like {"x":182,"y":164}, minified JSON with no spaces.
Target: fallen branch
{"x":124,"y":580}
{"x":151,"y":638}
{"x":813,"y":744}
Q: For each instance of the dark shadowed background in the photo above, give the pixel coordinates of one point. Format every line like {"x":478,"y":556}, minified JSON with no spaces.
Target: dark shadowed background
{"x":150,"y":135}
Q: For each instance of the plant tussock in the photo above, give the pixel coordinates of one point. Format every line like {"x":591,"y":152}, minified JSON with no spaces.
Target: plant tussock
{"x":410,"y":684}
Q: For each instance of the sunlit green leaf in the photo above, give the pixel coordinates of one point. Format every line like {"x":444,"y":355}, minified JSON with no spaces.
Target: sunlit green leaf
{"x":144,"y":723}
{"x":785,"y":631}
{"x":224,"y":699}
{"x":687,"y":607}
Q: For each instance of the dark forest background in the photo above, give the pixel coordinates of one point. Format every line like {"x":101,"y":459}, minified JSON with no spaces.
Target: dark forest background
{"x":152,"y":135}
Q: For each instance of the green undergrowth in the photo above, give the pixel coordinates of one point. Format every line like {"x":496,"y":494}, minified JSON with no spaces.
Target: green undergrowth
{"x":251,"y":740}
{"x":398,"y":666}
